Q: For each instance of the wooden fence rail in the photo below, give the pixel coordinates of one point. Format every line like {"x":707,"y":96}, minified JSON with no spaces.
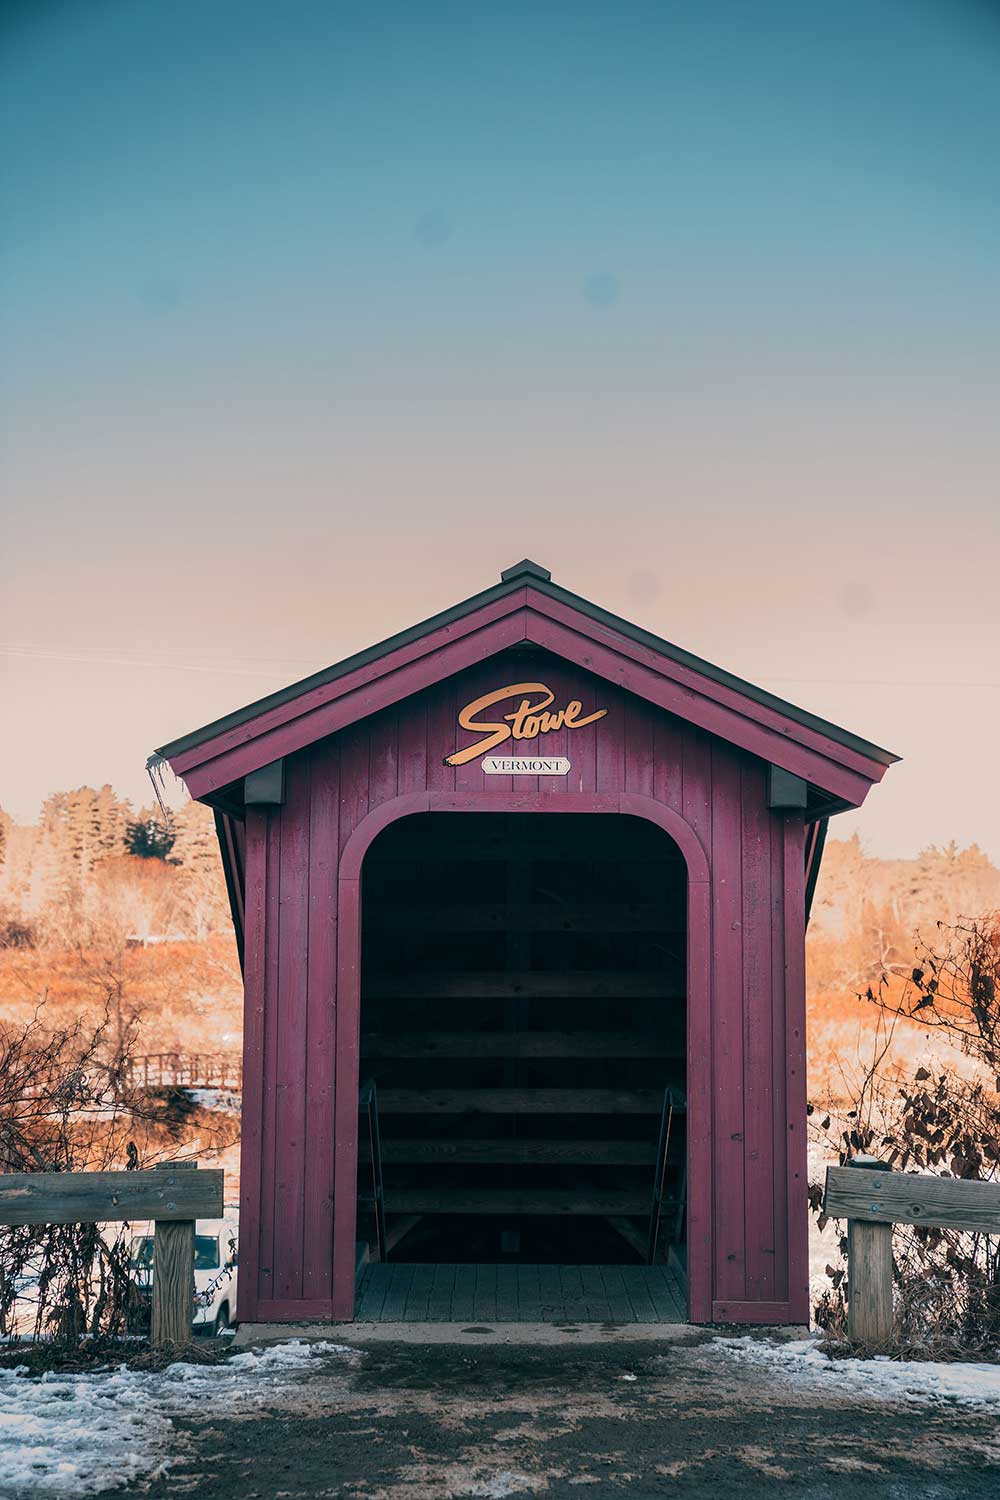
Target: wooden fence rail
{"x":173,"y":1196}
{"x":871,"y":1197}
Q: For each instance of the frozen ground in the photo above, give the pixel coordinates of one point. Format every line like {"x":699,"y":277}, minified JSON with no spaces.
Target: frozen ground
{"x":801,"y":1366}
{"x":708,"y":1418}
{"x":84,"y":1434}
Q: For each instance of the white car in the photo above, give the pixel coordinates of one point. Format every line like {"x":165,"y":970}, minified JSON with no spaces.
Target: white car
{"x":215,"y":1263}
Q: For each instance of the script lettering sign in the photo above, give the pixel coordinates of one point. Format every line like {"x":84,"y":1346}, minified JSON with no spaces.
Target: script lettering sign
{"x":532,"y":716}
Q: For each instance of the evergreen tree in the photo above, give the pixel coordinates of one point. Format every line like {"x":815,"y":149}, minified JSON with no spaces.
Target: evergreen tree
{"x":149,"y":837}
{"x":195,"y":844}
{"x":196,"y":852}
{"x":85,"y":826}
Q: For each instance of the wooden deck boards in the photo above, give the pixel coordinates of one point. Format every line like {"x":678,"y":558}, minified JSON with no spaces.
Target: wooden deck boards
{"x":401,"y":1293}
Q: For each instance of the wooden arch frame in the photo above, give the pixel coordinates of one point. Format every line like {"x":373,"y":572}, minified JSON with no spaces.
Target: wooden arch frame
{"x":698,"y":1007}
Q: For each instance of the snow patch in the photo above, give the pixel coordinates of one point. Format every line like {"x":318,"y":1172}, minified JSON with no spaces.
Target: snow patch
{"x":228,"y":1101}
{"x":505,"y":1483}
{"x":83,"y":1434}
{"x":884,"y":1379}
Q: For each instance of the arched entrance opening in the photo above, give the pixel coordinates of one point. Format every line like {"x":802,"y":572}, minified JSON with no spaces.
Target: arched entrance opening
{"x":523,"y":1021}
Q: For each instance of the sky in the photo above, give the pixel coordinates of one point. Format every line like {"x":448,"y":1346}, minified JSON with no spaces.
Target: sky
{"x":315,"y":316}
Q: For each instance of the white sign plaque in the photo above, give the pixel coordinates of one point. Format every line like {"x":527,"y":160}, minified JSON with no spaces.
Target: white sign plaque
{"x":525,"y":765}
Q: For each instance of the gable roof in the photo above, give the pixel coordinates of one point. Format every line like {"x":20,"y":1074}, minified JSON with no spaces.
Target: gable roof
{"x":527,"y":606}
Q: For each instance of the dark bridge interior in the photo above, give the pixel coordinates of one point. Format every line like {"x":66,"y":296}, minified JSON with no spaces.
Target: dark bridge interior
{"x":523,"y":1020}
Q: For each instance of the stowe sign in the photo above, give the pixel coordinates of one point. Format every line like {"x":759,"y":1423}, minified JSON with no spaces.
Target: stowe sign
{"x":526,"y":722}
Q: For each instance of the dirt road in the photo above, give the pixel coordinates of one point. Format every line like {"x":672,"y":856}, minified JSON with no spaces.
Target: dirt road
{"x":412,"y":1421}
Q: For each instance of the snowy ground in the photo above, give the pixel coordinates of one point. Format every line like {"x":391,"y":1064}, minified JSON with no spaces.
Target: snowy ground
{"x":83,"y":1434}
{"x":801,"y":1366}
{"x":68,"y":1435}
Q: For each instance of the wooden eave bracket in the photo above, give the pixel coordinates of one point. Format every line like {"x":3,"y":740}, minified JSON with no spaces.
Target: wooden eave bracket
{"x":785,"y":791}
{"x":265,"y":787}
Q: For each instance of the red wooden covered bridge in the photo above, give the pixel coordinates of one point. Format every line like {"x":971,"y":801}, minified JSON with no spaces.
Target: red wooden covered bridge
{"x":521,"y":896}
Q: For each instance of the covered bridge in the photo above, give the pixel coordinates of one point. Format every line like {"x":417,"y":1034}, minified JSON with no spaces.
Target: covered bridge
{"x":521,"y":898}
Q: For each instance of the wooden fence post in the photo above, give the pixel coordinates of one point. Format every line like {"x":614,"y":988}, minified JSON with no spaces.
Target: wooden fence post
{"x":173,"y":1274}
{"x":869,"y":1273}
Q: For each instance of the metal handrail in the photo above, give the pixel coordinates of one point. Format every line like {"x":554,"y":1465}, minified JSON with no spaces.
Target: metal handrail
{"x":368,"y":1105}
{"x":674,"y":1102}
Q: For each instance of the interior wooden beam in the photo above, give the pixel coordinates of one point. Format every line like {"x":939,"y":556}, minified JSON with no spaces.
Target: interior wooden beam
{"x":521,"y":1101}
{"x":612,"y":984}
{"x":611,"y":1044}
{"x":537,"y":850}
{"x":517,"y":1201}
{"x":525,"y":1152}
{"x":632,"y":1236}
{"x":535,"y":916}
{"x":399,"y":1229}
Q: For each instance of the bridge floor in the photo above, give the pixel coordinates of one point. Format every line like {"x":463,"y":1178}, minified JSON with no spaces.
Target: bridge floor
{"x":402,"y":1293}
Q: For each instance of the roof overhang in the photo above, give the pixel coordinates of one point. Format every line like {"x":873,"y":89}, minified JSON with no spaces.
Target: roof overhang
{"x":526,"y":607}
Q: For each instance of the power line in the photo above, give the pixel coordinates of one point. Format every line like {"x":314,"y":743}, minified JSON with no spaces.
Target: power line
{"x":96,"y":659}
{"x":137,"y":662}
{"x":124,"y":651}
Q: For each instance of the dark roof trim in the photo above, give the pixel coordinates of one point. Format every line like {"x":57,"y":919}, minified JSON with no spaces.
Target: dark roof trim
{"x":815,"y":844}
{"x":339,"y":669}
{"x":512,"y":579}
{"x":232,"y":846}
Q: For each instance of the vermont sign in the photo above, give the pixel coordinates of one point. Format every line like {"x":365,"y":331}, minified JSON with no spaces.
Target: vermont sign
{"x":533,"y":716}
{"x":525,"y":765}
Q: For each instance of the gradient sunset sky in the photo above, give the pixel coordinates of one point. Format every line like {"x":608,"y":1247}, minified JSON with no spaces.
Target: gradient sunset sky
{"x":317,"y":315}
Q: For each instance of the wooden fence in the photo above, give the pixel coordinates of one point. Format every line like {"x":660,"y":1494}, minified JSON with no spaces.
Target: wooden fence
{"x":871,"y":1197}
{"x":173,"y":1196}
{"x":204,"y":1070}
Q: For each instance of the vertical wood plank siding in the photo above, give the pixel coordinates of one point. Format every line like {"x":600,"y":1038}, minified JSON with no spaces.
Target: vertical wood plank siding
{"x":254,"y":998}
{"x":795,"y":1067}
{"x":758,"y":998}
{"x":747,"y":1145}
{"x":292,"y":1039}
{"x":727,"y":1027}
{"x":320,"y":1037}
{"x":272,"y":952}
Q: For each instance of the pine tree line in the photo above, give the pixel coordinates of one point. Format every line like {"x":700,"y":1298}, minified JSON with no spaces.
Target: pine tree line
{"x":92,"y":852}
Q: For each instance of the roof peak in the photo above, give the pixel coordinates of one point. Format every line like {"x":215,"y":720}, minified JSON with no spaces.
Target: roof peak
{"x":525,"y":569}
{"x":525,"y":577}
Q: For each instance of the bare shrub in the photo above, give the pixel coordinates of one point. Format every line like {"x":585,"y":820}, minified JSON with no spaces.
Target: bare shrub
{"x":66,"y":1105}
{"x":939,"y":1117}
{"x":16,"y":932}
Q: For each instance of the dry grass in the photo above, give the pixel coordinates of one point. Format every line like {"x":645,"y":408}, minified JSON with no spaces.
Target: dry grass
{"x":941,"y":1349}
{"x":94,"y":1355}
{"x":184,"y":996}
